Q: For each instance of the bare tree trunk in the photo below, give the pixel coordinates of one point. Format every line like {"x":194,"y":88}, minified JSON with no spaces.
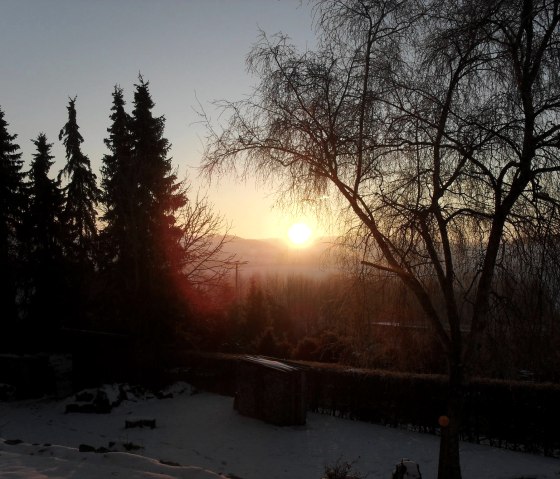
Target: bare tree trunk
{"x":449,"y":459}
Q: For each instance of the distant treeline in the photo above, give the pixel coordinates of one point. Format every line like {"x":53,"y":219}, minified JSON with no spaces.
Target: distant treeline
{"x":370,"y":321}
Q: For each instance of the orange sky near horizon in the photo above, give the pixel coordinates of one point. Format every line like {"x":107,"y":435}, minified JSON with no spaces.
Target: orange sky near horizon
{"x":192,"y":53}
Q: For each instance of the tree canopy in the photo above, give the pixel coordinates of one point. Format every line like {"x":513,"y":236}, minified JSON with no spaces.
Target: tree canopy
{"x":12,"y":205}
{"x":81,"y":192}
{"x":45,"y":239}
{"x":436,"y":126}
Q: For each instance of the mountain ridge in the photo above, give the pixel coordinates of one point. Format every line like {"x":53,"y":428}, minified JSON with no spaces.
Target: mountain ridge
{"x":278,"y":256}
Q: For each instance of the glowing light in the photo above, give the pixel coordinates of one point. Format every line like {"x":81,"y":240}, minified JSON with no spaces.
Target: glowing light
{"x":299,"y":233}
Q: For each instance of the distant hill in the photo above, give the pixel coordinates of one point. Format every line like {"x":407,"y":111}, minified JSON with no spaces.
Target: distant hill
{"x":277,"y":257}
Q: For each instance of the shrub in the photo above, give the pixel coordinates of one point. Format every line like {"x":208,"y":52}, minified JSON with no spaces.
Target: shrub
{"x":341,"y":470}
{"x":306,"y":349}
{"x":268,"y":344}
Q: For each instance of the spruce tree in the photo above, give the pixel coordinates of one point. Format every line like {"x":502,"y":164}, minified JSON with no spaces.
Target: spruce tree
{"x":158,"y":195}
{"x":81,"y":193}
{"x":12,"y":204}
{"x":117,"y":187}
{"x":44,"y":236}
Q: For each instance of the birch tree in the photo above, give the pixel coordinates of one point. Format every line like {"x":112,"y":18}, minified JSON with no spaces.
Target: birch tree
{"x":435,"y":123}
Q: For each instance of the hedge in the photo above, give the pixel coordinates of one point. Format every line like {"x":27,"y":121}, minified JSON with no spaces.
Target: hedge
{"x":515,"y":415}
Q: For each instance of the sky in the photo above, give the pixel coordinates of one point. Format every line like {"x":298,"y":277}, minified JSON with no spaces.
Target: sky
{"x":191,"y":51}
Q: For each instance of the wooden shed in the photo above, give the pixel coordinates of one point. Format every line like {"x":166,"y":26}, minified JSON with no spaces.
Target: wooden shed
{"x":271,"y":391}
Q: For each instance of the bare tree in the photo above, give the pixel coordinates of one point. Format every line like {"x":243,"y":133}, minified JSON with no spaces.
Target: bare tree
{"x":204,"y":237}
{"x":436,"y":124}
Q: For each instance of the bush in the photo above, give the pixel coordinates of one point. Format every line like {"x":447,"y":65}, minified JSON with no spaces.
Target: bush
{"x":328,"y":347}
{"x":306,"y":349}
{"x":341,"y":470}
{"x":268,"y":344}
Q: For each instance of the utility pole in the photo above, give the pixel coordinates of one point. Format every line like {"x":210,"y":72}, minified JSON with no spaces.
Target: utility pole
{"x":237,"y":264}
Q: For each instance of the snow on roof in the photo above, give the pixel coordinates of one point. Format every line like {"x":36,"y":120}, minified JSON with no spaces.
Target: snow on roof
{"x":270,"y":363}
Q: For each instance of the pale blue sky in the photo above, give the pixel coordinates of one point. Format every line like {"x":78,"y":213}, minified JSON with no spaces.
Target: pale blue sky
{"x":190,"y":50}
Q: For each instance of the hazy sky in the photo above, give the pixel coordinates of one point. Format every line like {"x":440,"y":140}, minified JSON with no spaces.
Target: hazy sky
{"x":190,"y":51}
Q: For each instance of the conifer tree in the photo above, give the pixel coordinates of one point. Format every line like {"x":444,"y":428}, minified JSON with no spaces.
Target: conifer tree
{"x":257,"y":314}
{"x":81,"y":193}
{"x":117,"y":187}
{"x":45,"y":202}
{"x":141,"y":196}
{"x":44,"y":235}
{"x":158,"y":195}
{"x":12,"y":203}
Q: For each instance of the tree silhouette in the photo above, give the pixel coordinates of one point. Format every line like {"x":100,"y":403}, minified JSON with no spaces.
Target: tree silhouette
{"x":117,"y":188}
{"x":44,"y":241}
{"x":256,"y":311}
{"x":159,"y":248}
{"x":12,"y":204}
{"x":117,"y":239}
{"x":435,"y":126}
{"x":159,"y":195}
{"x":81,"y":194}
{"x":153,"y":198}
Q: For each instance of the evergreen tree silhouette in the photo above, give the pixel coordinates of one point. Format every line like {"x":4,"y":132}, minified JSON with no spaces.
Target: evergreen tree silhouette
{"x":81,"y":194}
{"x":44,"y":239}
{"x":12,"y":205}
{"x":117,"y":186}
{"x":257,"y":314}
{"x":158,"y":195}
{"x":140,"y":243}
{"x":118,"y":253}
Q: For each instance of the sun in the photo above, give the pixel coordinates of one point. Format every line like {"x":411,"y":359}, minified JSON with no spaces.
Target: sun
{"x":299,"y":233}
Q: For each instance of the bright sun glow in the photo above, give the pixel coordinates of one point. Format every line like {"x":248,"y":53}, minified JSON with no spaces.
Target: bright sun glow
{"x":299,"y":233}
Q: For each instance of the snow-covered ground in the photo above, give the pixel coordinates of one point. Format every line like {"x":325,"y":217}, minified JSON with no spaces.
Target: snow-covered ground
{"x":199,"y":433}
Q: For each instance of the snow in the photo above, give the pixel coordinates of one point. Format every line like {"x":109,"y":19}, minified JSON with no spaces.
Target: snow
{"x":277,"y":365}
{"x":203,"y":433}
{"x":38,"y":462}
